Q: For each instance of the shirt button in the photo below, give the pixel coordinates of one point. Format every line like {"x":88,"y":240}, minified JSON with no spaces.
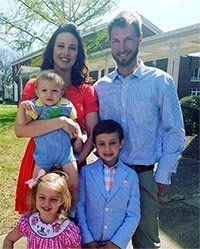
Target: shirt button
{"x":105,"y":227}
{"x":106,"y":209}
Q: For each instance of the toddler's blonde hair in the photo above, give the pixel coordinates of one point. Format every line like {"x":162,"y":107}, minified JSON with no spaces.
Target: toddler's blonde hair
{"x":50,"y":75}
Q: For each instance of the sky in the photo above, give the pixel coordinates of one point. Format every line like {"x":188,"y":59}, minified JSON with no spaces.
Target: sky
{"x":165,"y":14}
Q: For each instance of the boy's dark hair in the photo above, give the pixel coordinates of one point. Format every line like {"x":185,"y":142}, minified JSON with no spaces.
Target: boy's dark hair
{"x":108,"y":126}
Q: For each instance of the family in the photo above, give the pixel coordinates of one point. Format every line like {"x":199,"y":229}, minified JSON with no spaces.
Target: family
{"x":132,"y":118}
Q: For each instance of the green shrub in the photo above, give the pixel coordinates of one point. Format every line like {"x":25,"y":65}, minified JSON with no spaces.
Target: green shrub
{"x":190,"y":107}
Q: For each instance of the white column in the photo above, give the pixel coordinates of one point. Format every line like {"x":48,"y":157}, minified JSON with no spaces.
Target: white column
{"x":106,"y":66}
{"x":99,"y":74}
{"x":174,"y":62}
{"x":20,"y":86}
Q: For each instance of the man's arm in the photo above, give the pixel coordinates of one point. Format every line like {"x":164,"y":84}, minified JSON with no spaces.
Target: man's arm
{"x":173,"y":135}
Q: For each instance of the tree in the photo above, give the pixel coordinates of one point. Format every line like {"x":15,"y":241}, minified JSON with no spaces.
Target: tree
{"x":6,"y":58}
{"x":35,"y":20}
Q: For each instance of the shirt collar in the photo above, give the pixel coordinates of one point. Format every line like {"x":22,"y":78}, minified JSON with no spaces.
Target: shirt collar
{"x":105,"y":166}
{"x":62,"y":101}
{"x":137,"y":73}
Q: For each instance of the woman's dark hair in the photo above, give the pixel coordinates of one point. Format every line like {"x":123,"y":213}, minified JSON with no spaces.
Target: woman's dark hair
{"x":108,"y":126}
{"x":80,"y":70}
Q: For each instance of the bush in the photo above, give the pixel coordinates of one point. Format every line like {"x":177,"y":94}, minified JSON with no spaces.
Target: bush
{"x":190,"y":107}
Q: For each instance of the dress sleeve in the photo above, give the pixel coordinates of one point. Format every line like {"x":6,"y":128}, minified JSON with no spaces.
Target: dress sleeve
{"x":90,"y":99}
{"x":23,"y":225}
{"x":29,"y":91}
{"x":71,"y":237}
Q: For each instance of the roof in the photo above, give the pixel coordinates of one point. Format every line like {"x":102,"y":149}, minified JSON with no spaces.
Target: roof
{"x":156,"y":47}
{"x":26,"y":71}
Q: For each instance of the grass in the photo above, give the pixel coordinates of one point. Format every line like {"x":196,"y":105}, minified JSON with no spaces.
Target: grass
{"x":11,"y":152}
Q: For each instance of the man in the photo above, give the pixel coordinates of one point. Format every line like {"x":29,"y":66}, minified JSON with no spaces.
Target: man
{"x":144,"y":101}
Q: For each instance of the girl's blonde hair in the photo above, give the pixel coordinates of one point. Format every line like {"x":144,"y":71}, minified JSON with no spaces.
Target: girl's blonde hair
{"x":50,"y":75}
{"x":58,"y":182}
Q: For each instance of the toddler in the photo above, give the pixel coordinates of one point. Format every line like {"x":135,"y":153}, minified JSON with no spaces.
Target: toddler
{"x":55,"y":147}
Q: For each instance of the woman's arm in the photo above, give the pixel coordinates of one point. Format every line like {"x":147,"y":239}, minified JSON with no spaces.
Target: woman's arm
{"x":41,"y":127}
{"x":11,"y":238}
{"x":91,"y":120}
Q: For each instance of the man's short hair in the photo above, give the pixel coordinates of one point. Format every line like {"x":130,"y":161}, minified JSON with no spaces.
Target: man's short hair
{"x":124,"y":19}
{"x":108,"y":126}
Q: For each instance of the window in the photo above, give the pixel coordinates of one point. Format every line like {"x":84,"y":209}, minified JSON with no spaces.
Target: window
{"x":194,"y":91}
{"x":196,"y":75}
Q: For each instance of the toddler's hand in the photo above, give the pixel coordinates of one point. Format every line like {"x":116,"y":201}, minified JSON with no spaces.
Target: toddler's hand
{"x":27,"y":105}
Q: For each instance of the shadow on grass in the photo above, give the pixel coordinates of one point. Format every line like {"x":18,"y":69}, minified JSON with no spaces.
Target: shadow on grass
{"x":7,"y":121}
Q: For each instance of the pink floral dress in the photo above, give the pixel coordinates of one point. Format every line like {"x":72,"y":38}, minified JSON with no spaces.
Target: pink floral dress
{"x":48,"y":236}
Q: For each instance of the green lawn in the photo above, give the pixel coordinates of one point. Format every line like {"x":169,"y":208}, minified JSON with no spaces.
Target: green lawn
{"x":11,"y":151}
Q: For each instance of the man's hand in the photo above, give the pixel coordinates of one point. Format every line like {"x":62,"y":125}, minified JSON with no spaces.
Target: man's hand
{"x":92,"y":244}
{"x":107,"y":245}
{"x":161,"y":188}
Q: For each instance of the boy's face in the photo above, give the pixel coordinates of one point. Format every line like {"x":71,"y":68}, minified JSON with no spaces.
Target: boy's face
{"x":49,"y":92}
{"x":108,"y":147}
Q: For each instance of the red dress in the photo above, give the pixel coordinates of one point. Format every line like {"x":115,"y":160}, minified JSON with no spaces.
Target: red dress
{"x":84,"y":99}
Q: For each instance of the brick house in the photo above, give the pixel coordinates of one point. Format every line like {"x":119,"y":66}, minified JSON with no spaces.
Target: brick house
{"x":168,"y":51}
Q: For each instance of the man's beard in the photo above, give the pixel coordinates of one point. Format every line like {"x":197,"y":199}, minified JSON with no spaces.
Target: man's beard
{"x":128,"y":62}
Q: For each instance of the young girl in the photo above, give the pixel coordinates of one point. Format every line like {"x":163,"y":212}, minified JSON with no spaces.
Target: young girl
{"x":47,"y":226}
{"x":55,"y":147}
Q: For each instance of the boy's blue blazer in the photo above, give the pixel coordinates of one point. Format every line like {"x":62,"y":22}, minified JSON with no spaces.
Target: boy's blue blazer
{"x":114,"y":216}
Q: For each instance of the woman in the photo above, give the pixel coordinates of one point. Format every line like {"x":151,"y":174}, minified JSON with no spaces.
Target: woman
{"x":65,"y":54}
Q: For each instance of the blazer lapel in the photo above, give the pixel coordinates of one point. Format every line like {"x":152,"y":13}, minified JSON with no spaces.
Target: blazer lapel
{"x":120,"y":175}
{"x":97,"y":174}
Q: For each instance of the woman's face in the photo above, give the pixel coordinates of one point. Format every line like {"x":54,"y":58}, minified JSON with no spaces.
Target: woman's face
{"x":65,"y":51}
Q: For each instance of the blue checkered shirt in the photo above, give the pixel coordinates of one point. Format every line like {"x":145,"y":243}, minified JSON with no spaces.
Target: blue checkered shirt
{"x":145,"y":103}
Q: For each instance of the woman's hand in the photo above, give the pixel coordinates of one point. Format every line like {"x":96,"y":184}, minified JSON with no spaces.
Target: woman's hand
{"x":78,"y":144}
{"x":69,"y":126}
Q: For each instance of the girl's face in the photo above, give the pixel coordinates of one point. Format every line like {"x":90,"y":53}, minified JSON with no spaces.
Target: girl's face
{"x":65,"y":51}
{"x":48,"y":202}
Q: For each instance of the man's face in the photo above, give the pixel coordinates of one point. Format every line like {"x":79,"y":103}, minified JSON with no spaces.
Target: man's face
{"x":124,"y":45}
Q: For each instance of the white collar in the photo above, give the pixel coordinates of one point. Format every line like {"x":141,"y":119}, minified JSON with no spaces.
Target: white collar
{"x":46,"y":230}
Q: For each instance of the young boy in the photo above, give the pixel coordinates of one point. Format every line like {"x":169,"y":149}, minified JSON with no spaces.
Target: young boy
{"x":108,"y":207}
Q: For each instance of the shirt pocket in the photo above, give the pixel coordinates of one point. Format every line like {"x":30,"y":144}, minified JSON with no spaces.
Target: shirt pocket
{"x":141,"y":111}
